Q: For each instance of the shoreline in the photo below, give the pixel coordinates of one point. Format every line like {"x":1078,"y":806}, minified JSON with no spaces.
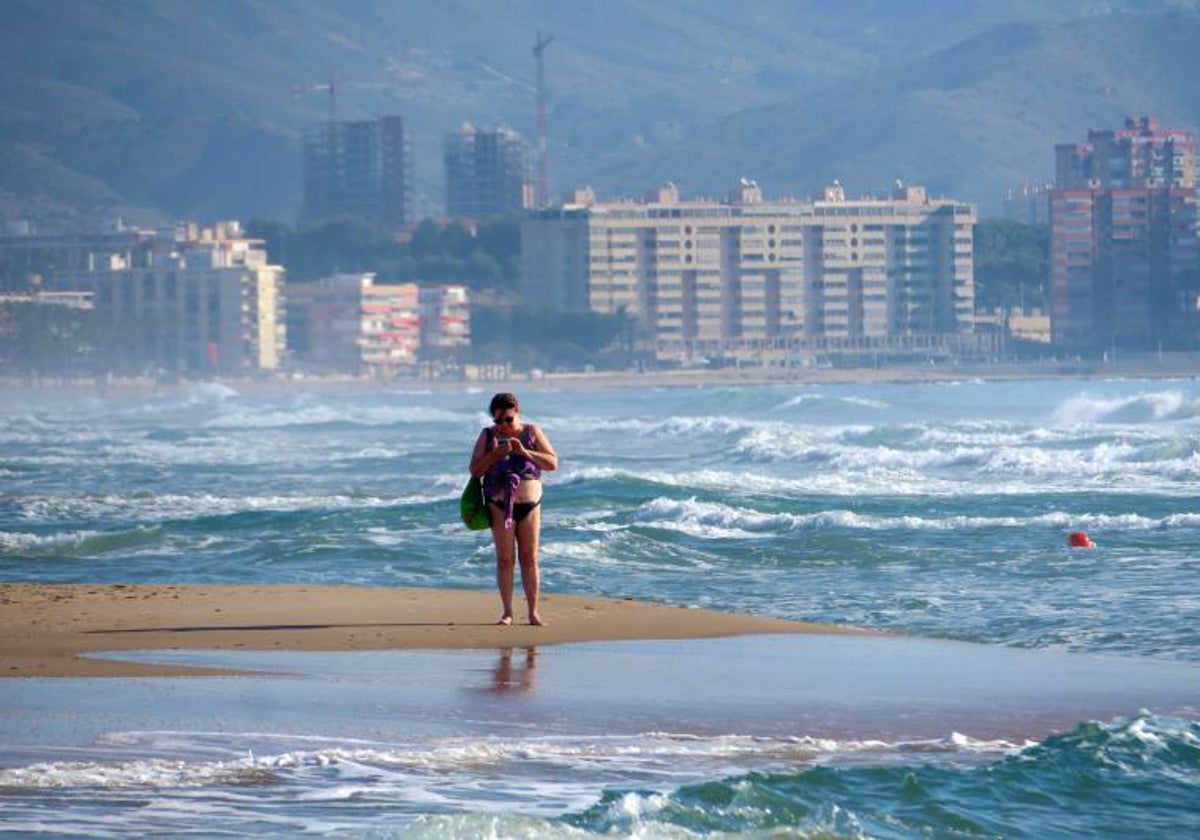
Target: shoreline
{"x":47,"y":630}
{"x":1178,"y":365}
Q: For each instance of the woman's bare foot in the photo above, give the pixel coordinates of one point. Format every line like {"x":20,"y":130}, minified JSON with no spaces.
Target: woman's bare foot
{"x":536,"y":620}
{"x":505,"y":620}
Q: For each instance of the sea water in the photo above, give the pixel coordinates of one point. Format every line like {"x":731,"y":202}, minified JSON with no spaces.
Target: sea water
{"x":934,"y":510}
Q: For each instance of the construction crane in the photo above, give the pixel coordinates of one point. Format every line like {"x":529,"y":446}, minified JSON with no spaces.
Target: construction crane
{"x":329,"y":87}
{"x":543,"y":177}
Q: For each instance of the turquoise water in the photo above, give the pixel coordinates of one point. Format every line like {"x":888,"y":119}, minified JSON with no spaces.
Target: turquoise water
{"x":933,"y":510}
{"x":1135,"y":778}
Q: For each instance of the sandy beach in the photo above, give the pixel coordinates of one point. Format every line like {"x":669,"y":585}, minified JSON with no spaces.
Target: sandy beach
{"x":45,"y":629}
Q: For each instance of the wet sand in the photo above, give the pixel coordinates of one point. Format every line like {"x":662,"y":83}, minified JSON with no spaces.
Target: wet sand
{"x":46,"y":630}
{"x":846,"y":687}
{"x":385,"y":663}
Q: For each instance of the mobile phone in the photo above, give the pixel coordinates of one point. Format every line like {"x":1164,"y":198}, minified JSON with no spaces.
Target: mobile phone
{"x":500,"y":441}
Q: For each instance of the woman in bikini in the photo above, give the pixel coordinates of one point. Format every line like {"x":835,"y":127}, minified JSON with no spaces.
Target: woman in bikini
{"x":510,"y":456}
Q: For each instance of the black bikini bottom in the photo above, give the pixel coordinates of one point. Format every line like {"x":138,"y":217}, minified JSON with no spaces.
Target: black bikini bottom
{"x":520,"y":509}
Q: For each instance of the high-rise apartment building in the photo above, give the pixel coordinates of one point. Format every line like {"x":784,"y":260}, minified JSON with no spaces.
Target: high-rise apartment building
{"x":1123,"y":250}
{"x":488,"y":173}
{"x":357,"y":170}
{"x":771,"y":281}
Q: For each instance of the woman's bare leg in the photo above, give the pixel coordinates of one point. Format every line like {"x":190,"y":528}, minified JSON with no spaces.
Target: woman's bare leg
{"x":506,"y":555}
{"x":528,"y":533}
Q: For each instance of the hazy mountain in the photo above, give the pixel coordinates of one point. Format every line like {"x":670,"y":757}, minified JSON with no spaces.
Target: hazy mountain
{"x":185,"y":108}
{"x":970,"y":121}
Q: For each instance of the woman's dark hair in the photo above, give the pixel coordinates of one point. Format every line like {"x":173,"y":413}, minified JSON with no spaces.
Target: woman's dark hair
{"x":503,"y":401}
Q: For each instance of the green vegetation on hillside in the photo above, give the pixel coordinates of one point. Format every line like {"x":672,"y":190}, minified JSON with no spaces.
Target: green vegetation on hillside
{"x":971,"y":122}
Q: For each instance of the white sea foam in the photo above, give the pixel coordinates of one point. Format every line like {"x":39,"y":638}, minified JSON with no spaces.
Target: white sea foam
{"x":152,"y":508}
{"x":658,"y":753}
{"x":1154,"y":407}
{"x":20,"y":542}
{"x":816,"y":399}
{"x":207,"y":393}
{"x":716,"y":519}
{"x":963,"y":459}
{"x":682,"y":426}
{"x":992,"y":435}
{"x":151,"y":773}
{"x":510,"y":826}
{"x":710,"y":519}
{"x":354,"y":414}
{"x":838,"y":470}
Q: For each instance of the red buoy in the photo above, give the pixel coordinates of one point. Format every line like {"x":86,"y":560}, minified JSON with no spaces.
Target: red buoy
{"x":1080,"y":539}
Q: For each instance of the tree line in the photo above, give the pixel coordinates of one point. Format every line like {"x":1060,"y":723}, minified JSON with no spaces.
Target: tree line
{"x":1012,"y":265}
{"x":483,"y":256}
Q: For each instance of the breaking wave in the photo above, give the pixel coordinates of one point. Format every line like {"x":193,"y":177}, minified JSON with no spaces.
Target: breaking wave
{"x":716,"y":519}
{"x":1073,"y":785}
{"x":1157,"y":407}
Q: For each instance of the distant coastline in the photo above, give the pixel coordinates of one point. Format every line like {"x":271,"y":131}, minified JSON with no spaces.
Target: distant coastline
{"x":1178,"y":365}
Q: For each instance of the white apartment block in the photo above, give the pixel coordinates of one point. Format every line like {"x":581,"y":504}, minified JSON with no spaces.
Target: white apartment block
{"x":201,"y":301}
{"x":772,"y":281}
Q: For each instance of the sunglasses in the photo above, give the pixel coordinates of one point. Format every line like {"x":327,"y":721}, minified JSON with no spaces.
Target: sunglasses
{"x":506,"y":421}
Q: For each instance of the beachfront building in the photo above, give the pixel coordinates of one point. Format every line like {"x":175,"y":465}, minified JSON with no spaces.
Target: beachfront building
{"x":352,"y":325}
{"x":29,"y":258}
{"x":357,"y":169}
{"x":199,"y":301}
{"x":1124,"y":270}
{"x":445,"y":319}
{"x":44,"y":334}
{"x":768,"y":282}
{"x":488,"y":173}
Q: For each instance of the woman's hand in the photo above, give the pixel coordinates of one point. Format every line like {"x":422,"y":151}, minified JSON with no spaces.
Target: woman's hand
{"x":501,"y":450}
{"x":515,"y":446}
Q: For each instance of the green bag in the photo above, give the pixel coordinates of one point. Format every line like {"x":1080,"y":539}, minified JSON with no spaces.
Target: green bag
{"x":473,"y":507}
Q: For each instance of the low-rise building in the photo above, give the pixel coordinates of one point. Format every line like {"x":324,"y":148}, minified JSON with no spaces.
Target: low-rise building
{"x":350,"y":324}
{"x":1016,"y":324}
{"x":445,"y":319}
